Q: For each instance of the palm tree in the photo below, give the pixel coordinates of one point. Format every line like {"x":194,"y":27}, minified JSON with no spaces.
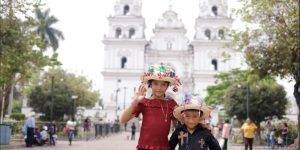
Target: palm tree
{"x":44,"y":29}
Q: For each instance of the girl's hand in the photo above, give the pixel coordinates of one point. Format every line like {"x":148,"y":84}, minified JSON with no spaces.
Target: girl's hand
{"x":140,"y":93}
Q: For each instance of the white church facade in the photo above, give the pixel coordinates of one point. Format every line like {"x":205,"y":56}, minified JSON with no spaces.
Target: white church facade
{"x":128,"y":53}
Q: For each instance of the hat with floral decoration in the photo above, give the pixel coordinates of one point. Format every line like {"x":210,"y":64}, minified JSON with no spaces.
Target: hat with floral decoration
{"x":162,"y":72}
{"x":192,"y":103}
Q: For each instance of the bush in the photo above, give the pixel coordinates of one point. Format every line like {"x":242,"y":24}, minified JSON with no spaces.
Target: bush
{"x":17,"y":116}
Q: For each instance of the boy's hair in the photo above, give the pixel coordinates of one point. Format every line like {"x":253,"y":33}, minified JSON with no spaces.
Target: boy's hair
{"x":200,"y":112}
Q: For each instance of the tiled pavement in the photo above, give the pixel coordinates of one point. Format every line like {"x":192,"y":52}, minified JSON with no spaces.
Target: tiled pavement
{"x":113,"y":142}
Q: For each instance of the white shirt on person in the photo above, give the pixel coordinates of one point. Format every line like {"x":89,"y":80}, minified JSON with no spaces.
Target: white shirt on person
{"x":71,"y":125}
{"x":44,"y":135}
{"x":30,"y":122}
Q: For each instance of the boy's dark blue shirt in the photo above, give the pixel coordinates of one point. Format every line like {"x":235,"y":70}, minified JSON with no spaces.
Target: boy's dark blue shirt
{"x":201,"y":139}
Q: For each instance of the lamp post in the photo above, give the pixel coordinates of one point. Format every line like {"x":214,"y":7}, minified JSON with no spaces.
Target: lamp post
{"x":74,"y":97}
{"x":51,"y":107}
{"x":124,"y":106}
{"x":117,"y":91}
{"x":247,"y":99}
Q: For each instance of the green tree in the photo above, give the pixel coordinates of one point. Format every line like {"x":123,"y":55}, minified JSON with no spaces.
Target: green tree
{"x":217,"y":92}
{"x":65,"y":85}
{"x":265,"y":97}
{"x":21,"y":49}
{"x":45,"y":30}
{"x":271,"y":41}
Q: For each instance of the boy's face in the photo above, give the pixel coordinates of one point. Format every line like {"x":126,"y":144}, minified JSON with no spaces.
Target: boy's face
{"x":159,"y":88}
{"x":191,"y":118}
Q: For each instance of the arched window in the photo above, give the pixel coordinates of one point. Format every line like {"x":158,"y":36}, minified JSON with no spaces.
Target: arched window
{"x":215,"y":10}
{"x":221,"y":33}
{"x":131,"y":33}
{"x":214,"y":62}
{"x":169,"y":45}
{"x":126,"y":10}
{"x":207,"y":33}
{"x":191,"y":47}
{"x":147,"y":46}
{"x":123,"y":62}
{"x":118,"y":33}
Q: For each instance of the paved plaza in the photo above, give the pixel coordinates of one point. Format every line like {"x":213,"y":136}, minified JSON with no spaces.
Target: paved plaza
{"x":113,"y":142}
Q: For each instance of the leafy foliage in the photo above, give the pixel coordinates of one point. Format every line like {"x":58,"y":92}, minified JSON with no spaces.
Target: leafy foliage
{"x":49,"y":34}
{"x":21,"y":49}
{"x":265,"y":96}
{"x":217,"y":92}
{"x":271,"y":41}
{"x":17,"y":116}
{"x":64,"y":86}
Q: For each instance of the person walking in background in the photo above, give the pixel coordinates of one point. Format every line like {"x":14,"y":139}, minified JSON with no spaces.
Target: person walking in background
{"x":272,"y":138}
{"x":133,"y":129}
{"x":30,"y":126}
{"x":269,"y":129}
{"x":157,"y":109}
{"x":284,"y":133}
{"x":52,"y":133}
{"x":86,"y":128}
{"x":226,"y":131}
{"x":71,"y":124}
{"x":249,"y":130}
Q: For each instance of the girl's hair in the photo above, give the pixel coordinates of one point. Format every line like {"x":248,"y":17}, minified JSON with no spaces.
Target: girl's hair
{"x":150,"y":83}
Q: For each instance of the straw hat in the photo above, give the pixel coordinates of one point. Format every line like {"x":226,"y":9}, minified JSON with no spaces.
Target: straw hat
{"x":192,"y":104}
{"x":161,"y":72}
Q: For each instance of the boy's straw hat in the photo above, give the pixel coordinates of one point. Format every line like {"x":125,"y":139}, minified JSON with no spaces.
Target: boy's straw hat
{"x":192,"y":104}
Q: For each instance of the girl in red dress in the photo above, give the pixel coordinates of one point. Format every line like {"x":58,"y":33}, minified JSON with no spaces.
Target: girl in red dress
{"x":157,"y":110}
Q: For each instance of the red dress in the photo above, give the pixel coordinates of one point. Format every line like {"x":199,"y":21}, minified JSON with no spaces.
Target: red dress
{"x":157,"y":116}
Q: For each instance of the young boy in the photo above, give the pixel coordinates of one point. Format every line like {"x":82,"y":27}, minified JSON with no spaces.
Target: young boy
{"x":192,"y":135}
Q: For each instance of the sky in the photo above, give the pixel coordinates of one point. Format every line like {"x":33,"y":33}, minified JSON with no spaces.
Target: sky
{"x":84,"y":23}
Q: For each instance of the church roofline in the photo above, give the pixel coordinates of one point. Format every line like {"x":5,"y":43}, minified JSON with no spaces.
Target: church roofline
{"x":126,"y":18}
{"x":114,"y":41}
{"x":199,"y":42}
{"x":117,"y":72}
{"x":204,"y":73}
{"x":215,"y":19}
{"x":177,"y":30}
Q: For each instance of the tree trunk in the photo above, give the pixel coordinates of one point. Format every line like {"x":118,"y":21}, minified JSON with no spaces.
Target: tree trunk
{"x":258,"y":133}
{"x":297,"y":97}
{"x":4,"y":96}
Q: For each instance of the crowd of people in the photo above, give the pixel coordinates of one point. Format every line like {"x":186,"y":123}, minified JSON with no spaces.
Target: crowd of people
{"x":160,"y":111}
{"x":276,"y":140}
{"x":36,"y":136}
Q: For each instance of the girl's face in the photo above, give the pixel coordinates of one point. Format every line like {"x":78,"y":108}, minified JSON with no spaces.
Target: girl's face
{"x":191,"y":118}
{"x":159,"y":88}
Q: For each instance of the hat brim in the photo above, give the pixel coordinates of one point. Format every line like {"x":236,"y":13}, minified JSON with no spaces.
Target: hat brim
{"x":168,"y":79}
{"x":178,"y":110}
